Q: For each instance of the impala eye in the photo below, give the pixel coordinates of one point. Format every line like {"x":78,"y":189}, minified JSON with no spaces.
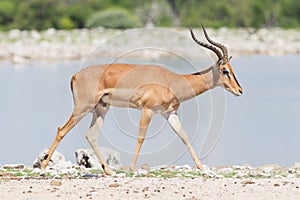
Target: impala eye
{"x":225,"y":72}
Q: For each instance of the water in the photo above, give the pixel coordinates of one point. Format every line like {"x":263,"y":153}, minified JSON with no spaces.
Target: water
{"x":261,"y":126}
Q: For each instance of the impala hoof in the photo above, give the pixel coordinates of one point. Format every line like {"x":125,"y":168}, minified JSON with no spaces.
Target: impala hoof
{"x":109,"y":172}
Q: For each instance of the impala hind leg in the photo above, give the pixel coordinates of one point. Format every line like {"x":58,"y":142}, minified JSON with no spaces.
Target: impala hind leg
{"x":61,"y":132}
{"x":93,"y":133}
{"x":176,"y":125}
{"x":144,"y":123}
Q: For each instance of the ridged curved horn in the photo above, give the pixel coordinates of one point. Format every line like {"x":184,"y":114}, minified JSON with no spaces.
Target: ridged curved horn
{"x":214,"y":49}
{"x":221,"y":46}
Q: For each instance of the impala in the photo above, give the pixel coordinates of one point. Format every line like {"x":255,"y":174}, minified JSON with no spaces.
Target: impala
{"x":149,"y":88}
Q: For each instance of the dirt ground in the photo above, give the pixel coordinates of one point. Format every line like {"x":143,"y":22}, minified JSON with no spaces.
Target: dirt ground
{"x":150,"y":188}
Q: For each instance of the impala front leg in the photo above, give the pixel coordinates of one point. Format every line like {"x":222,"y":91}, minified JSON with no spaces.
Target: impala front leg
{"x":176,"y":125}
{"x":144,"y":123}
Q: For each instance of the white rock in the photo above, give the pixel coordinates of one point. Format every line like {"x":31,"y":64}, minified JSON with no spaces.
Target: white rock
{"x":14,"y":34}
{"x":210,"y":173}
{"x":35,"y":35}
{"x":57,"y":160}
{"x":87,"y":158}
{"x":141,"y":172}
{"x":297,"y":164}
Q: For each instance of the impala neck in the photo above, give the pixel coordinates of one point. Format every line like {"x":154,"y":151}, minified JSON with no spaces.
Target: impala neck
{"x":201,"y":81}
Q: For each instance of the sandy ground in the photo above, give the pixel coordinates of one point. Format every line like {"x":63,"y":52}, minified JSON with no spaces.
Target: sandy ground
{"x":151,"y":188}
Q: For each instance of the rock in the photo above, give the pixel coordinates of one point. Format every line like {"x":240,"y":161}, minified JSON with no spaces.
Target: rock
{"x":56,"y":183}
{"x":247,"y":182}
{"x":14,"y":34}
{"x":297,"y":165}
{"x":145,"y":189}
{"x":140,"y":172}
{"x":90,"y":176}
{"x":114,"y":185}
{"x":57,"y":160}
{"x":13,"y":166}
{"x":145,"y":166}
{"x":269,"y":168}
{"x":87,"y":158}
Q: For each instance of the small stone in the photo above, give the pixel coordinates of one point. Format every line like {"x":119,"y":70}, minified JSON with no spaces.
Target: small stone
{"x":145,"y":167}
{"x":145,"y":189}
{"x":90,"y":176}
{"x":56,"y":183}
{"x":247,"y":182}
{"x":285,"y":183}
{"x":276,"y":185}
{"x":114,"y":185}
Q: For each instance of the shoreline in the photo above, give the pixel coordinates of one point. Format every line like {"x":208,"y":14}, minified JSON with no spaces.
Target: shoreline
{"x":49,"y":45}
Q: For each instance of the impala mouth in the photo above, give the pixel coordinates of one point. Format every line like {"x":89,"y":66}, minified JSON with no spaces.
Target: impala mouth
{"x":238,"y":93}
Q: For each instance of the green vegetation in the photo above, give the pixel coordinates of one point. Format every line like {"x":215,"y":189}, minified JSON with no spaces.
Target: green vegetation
{"x":68,"y":14}
{"x":113,"y":18}
{"x":78,"y":172}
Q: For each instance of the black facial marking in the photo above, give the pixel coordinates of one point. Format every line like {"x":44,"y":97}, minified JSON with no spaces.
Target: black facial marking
{"x":226,"y":72}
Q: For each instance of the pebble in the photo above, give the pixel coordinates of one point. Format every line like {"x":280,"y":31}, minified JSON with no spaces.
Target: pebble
{"x":114,"y":185}
{"x":55,"y":183}
{"x":145,"y":189}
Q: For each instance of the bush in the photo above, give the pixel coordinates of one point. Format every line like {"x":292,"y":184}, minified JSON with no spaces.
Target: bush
{"x":36,"y":14}
{"x":65,"y":23}
{"x":7,"y":10}
{"x":78,"y":13}
{"x":113,"y":18}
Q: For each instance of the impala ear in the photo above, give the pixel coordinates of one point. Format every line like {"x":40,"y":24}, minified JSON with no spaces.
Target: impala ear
{"x":220,"y":62}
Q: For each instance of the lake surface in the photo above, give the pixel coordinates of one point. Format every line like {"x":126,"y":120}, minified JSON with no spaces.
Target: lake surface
{"x":262,"y":126}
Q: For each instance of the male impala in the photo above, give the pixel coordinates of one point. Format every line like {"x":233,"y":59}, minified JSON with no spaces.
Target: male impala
{"x":149,"y":88}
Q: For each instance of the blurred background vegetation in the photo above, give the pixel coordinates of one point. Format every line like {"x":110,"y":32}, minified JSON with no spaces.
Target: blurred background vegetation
{"x":69,"y":14}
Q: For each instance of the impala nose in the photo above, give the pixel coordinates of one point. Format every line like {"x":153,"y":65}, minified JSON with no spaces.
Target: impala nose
{"x":241,"y":91}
